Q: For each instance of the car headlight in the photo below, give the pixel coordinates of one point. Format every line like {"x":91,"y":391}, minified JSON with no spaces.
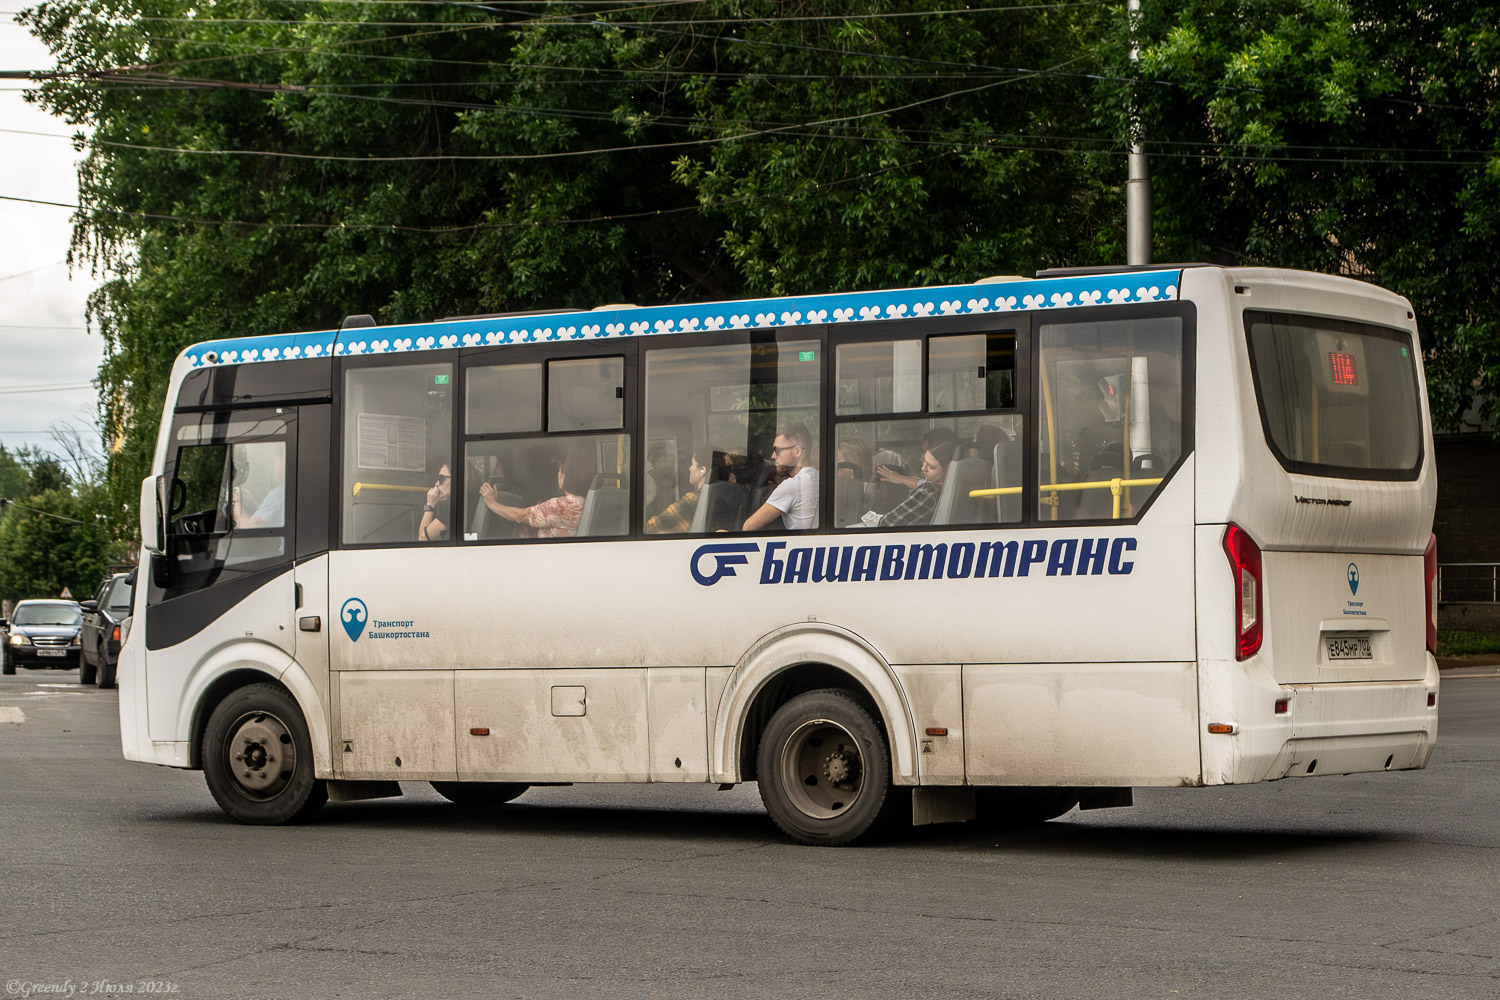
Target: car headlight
{"x":19,"y":640}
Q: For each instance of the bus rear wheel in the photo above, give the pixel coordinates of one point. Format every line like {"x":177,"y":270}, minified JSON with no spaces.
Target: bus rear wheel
{"x":825,"y":770}
{"x":478,"y":794}
{"x":258,"y":760}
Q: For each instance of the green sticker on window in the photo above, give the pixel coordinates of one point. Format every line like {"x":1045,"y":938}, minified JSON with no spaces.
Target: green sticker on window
{"x":1403,"y":353}
{"x":806,"y":356}
{"x":440,"y":380}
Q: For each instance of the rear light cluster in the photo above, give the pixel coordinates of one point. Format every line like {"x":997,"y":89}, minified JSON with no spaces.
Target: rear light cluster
{"x":1244,"y":560}
{"x":1429,"y":566}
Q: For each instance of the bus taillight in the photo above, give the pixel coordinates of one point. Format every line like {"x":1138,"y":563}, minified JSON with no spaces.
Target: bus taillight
{"x":1429,"y":565}
{"x":1244,"y":560}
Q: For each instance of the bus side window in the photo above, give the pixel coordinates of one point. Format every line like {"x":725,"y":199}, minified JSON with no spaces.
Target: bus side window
{"x":1111,"y":415}
{"x":398,"y":427}
{"x":712,"y":420}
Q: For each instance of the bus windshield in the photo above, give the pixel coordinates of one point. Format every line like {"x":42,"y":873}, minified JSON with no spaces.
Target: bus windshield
{"x":1337,"y":398}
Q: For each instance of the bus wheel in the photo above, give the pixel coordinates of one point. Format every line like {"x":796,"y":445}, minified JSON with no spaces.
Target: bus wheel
{"x":257,"y":758}
{"x":825,"y":770}
{"x":1014,"y":808}
{"x":477,"y":794}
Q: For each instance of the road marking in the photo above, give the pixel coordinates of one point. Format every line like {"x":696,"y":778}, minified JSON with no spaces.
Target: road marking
{"x":9,"y":713}
{"x":69,"y":687}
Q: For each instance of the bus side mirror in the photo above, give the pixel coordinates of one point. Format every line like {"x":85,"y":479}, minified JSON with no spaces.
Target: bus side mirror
{"x":153,"y":514}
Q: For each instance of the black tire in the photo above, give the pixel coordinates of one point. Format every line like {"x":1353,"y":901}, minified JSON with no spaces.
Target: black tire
{"x":851,"y":800}
{"x":106,"y":671}
{"x":256,"y":726}
{"x":1015,"y":808}
{"x":7,"y":666}
{"x":86,"y":670}
{"x":478,"y":794}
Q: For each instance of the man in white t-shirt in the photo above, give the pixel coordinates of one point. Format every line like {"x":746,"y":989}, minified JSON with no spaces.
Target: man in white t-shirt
{"x":795,"y":500}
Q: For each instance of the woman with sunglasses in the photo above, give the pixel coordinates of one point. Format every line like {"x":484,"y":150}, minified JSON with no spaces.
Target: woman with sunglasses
{"x":434,"y":526}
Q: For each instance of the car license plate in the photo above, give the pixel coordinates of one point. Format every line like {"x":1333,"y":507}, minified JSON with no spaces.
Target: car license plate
{"x":1348,"y":647}
{"x":51,"y":652}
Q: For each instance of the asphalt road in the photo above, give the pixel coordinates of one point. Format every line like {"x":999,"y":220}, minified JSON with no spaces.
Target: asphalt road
{"x":126,"y":875}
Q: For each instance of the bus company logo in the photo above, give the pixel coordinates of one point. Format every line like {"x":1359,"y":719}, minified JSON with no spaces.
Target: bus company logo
{"x":353,"y":615}
{"x":1353,"y":579}
{"x":726,"y":558}
{"x":918,"y":561}
{"x":1322,"y":501}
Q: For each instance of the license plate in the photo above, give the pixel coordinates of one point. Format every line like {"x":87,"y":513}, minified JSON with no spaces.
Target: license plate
{"x":51,"y":652}
{"x":1348,"y":647}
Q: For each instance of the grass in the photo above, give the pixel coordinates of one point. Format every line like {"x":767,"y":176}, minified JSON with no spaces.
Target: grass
{"x":1451,"y":642}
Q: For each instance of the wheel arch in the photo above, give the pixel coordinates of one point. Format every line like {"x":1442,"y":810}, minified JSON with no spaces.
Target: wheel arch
{"x":294,"y":681}
{"x":799,"y":658}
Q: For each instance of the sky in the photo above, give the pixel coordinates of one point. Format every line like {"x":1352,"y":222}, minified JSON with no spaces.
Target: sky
{"x":42,"y":338}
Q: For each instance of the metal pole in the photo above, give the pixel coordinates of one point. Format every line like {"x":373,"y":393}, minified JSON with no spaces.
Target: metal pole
{"x":1138,"y":184}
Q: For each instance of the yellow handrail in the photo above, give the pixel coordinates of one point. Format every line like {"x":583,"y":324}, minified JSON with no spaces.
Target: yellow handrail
{"x":388,"y":486}
{"x":1113,"y":485}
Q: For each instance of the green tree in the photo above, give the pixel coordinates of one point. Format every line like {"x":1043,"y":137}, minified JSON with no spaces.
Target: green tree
{"x":41,"y":555}
{"x":1359,"y":137}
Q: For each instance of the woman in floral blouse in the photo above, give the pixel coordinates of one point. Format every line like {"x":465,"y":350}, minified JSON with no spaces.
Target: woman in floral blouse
{"x":554,"y":518}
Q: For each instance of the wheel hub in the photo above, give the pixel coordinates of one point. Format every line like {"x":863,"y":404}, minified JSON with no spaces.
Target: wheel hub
{"x":822,"y":768}
{"x":262,"y":757}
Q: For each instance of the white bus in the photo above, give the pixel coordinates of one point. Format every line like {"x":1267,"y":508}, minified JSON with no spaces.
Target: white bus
{"x":1007,"y":547}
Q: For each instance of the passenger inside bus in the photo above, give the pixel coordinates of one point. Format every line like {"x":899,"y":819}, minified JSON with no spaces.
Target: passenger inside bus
{"x":936,"y":436}
{"x":557,"y":517}
{"x":678,"y":515}
{"x":435,"y":517}
{"x":795,"y":499}
{"x":270,"y":512}
{"x":922,"y":501}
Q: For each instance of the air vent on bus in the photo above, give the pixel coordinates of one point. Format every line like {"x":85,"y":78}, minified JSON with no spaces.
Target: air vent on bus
{"x":358,"y":321}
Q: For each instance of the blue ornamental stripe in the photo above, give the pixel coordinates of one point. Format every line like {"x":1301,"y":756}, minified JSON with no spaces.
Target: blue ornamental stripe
{"x":752,"y":314}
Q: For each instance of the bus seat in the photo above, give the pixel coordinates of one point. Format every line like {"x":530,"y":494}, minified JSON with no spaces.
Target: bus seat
{"x":848,"y":501}
{"x":487,"y":525}
{"x":721,"y":506}
{"x":954,"y":505}
{"x":606,"y":511}
{"x":1007,"y":472}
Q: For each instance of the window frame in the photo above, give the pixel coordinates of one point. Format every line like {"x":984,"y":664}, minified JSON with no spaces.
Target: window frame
{"x":1322,"y":470}
{"x":924,"y":328}
{"x":490,"y":355}
{"x":346,"y":363}
{"x":1187,"y":313}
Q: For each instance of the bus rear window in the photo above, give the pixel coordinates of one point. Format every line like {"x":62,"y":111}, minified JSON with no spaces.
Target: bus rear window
{"x":1337,"y":398}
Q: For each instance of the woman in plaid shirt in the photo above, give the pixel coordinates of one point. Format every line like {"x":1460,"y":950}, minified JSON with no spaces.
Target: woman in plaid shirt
{"x":678,"y":517}
{"x":921,"y":503}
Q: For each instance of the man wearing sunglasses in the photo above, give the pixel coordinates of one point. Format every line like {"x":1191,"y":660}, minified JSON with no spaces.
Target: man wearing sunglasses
{"x":434,"y":526}
{"x":795,"y":500}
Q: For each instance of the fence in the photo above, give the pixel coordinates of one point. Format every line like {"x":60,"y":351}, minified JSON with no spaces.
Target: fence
{"x":1468,"y":583}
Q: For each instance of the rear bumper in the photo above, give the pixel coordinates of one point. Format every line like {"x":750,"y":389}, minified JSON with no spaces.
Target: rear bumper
{"x":1326,"y":729}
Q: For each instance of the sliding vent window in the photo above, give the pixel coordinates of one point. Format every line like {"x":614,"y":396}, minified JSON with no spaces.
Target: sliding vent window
{"x":971,"y":372}
{"x":881,"y":376}
{"x":587,"y":395}
{"x":504,"y":399}
{"x":1111,"y":413}
{"x":398,"y":428}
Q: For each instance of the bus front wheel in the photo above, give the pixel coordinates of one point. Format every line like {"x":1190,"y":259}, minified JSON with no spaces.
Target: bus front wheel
{"x":257,"y":758}
{"x":825,"y":770}
{"x":478,"y":794}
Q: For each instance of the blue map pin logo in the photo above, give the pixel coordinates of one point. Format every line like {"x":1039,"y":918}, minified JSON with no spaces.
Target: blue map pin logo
{"x":354,"y":614}
{"x":1353,"y":579}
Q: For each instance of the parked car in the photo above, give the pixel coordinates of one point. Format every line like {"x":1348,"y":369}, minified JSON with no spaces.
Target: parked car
{"x":101,"y":637}
{"x":42,"y":634}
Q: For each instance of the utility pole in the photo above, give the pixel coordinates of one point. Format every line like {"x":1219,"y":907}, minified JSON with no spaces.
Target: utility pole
{"x":1138,"y":182}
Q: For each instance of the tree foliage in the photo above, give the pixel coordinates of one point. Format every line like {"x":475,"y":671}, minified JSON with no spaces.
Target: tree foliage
{"x":256,"y":166}
{"x":42,"y":550}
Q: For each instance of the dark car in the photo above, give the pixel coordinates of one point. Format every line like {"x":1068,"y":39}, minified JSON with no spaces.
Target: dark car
{"x":102,"y":616}
{"x":42,"y":634}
